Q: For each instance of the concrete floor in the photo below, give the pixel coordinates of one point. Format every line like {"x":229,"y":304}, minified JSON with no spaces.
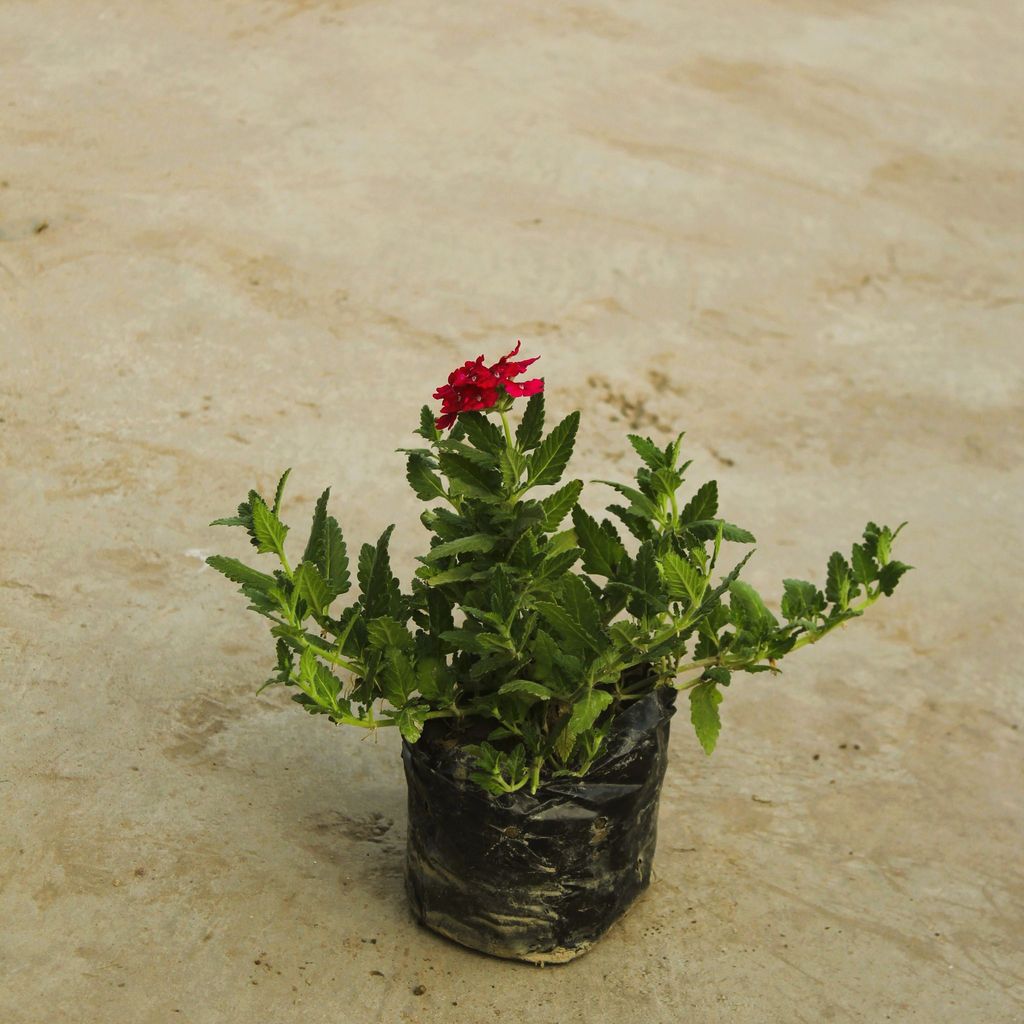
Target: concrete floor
{"x":245,"y":235}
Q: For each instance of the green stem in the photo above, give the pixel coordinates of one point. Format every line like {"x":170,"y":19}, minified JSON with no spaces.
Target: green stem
{"x":535,"y":773}
{"x":508,"y":429}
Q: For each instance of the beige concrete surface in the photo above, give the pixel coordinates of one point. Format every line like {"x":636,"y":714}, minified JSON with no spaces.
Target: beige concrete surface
{"x":243,"y":235}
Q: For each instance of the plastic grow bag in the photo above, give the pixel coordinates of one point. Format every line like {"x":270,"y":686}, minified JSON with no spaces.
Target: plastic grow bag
{"x":537,"y":878}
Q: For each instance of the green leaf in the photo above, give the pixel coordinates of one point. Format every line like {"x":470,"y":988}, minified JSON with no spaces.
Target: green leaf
{"x":641,"y":506}
{"x":531,"y":428}
{"x":316,"y":533}
{"x":839,"y":583}
{"x":512,"y":463}
{"x":578,"y":601}
{"x":648,"y":451}
{"x":702,"y":506}
{"x":375,"y":579}
{"x":386,"y":633}
{"x":469,"y":477}
{"x":422,"y":479}
{"x":457,"y":574}
{"x":571,"y":630}
{"x":557,"y":505}
{"x":603,"y":553}
{"x":682,"y":579}
{"x":648,"y":596}
{"x":890,"y":575}
{"x":704,"y":700}
{"x":864,"y":568}
{"x":410,"y":721}
{"x":526,"y":686}
{"x":548,"y":462}
{"x":587,"y":710}
{"x":503,"y":598}
{"x":268,"y":529}
{"x":326,"y":549}
{"x":554,"y":565}
{"x":477,"y":643}
{"x":399,"y":679}
{"x":801,"y":600}
{"x":427,"y":430}
{"x":311,"y":587}
{"x":482,"y":433}
{"x":474,"y":542}
{"x":332,"y":559}
{"x":637,"y":525}
{"x":239,"y":572}
{"x":748,"y":610}
{"x":707,"y":529}
{"x":279,"y":491}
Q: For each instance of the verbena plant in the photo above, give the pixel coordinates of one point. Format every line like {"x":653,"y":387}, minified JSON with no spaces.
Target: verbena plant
{"x":530,"y":624}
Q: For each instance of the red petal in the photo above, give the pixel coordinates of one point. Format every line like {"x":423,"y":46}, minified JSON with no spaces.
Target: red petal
{"x":525,"y":388}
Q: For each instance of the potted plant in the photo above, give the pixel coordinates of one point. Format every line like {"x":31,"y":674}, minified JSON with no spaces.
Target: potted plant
{"x":533,"y":663}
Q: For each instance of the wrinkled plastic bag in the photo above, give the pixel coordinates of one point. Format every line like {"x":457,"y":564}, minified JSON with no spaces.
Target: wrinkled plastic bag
{"x":537,"y":878}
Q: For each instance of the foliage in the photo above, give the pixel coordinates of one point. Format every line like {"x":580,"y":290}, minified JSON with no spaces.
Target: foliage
{"x":527,"y":613}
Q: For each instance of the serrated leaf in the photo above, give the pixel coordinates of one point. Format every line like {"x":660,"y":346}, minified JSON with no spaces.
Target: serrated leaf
{"x":311,"y":587}
{"x":279,"y":491}
{"x":375,"y":579}
{"x":579,"y":602}
{"x":503,"y":599}
{"x":385,"y":632}
{"x":707,"y":529}
{"x":232,"y":521}
{"x":410,"y":721}
{"x":682,"y":579}
{"x":603,"y":553}
{"x":332,"y":559}
{"x":864,"y":568}
{"x":457,"y":574}
{"x":482,"y":433}
{"x":641,"y":506}
{"x":748,"y":610}
{"x":422,"y":479}
{"x":512,"y":462}
{"x":531,"y":427}
{"x":651,"y":454}
{"x":461,"y":545}
{"x":427,"y":430}
{"x":637,"y":526}
{"x":554,"y":565}
{"x":801,"y":600}
{"x":702,"y":506}
{"x":399,"y":679}
{"x":704,"y":700}
{"x":267,"y":528}
{"x":477,"y":643}
{"x":526,"y":686}
{"x":317,"y":529}
{"x":569,"y":628}
{"x":890,"y":574}
{"x":587,"y":710}
{"x":239,"y":572}
{"x":469,"y":477}
{"x":557,"y":505}
{"x":548,"y":462}
{"x":839,"y":581}
{"x":647,"y":597}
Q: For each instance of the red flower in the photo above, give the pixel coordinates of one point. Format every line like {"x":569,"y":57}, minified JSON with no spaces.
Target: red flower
{"x":503,"y":371}
{"x":474,"y":386}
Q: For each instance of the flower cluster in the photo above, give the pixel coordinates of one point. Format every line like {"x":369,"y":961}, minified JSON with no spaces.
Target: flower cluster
{"x":474,"y":386}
